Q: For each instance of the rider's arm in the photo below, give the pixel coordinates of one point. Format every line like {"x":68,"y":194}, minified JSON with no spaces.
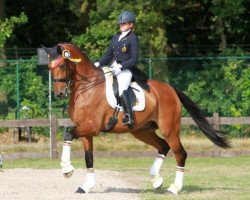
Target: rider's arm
{"x":105,"y":60}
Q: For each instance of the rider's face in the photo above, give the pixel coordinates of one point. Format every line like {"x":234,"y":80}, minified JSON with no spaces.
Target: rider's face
{"x":126,"y":26}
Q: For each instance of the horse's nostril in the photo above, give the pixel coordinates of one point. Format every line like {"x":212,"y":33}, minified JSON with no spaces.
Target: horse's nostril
{"x":60,"y":94}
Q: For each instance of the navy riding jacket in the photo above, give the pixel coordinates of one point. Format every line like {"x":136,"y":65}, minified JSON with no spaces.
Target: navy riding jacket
{"x":124,"y":52}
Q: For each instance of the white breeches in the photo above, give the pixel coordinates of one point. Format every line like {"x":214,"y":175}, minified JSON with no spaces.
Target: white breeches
{"x":124,"y":78}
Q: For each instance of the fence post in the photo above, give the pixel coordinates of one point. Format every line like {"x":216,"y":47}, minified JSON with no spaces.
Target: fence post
{"x":150,"y":73}
{"x":17,"y":91}
{"x":53,"y":141}
{"x":216,"y":126}
{"x":216,"y":121}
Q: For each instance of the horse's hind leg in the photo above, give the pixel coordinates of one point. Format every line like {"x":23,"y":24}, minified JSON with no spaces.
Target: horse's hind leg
{"x":150,"y":137}
{"x":173,"y":139}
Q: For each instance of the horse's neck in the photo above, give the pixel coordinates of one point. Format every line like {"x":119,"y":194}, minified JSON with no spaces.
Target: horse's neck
{"x":87,"y":78}
{"x":85,"y":69}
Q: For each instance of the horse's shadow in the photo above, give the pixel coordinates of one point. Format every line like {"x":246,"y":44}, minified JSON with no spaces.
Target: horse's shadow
{"x":194,"y":188}
{"x":162,"y":190}
{"x":124,"y":190}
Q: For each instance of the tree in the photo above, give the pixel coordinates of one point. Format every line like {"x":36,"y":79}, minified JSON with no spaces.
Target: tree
{"x":6,"y":30}
{"x":226,"y":20}
{"x":2,"y":9}
{"x":103,"y":25}
{"x":7,"y":27}
{"x":50,"y":22}
{"x":33,"y":91}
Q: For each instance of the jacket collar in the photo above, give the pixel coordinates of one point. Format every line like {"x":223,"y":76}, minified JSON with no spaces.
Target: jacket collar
{"x":123,"y":35}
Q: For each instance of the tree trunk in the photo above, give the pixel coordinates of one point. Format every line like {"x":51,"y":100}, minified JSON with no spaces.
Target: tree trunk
{"x":223,"y":37}
{"x":2,"y":9}
{"x":2,"y":17}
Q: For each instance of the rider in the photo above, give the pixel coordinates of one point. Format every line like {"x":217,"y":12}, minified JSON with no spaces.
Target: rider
{"x":123,"y":54}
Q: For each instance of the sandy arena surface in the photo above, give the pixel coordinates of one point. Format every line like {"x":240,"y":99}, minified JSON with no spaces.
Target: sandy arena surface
{"x":33,"y":184}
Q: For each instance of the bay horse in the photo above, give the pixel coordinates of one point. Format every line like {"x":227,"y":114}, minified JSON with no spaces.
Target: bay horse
{"x":89,"y":110}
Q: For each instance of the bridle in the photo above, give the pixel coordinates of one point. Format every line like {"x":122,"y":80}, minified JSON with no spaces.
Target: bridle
{"x":85,"y":82}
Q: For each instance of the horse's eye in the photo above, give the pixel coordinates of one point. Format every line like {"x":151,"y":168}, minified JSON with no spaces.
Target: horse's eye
{"x":63,"y":67}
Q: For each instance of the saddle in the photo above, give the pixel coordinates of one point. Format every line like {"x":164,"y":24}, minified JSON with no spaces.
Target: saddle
{"x":136,"y":95}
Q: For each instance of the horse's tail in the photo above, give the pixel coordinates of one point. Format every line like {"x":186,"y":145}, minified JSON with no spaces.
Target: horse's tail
{"x":214,"y":135}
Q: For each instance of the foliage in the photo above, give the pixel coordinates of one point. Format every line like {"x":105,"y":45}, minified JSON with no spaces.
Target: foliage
{"x":226,"y":85}
{"x":232,"y":97}
{"x":103,"y":25}
{"x":227,"y":20}
{"x":50,"y":22}
{"x":33,"y":92}
{"x":7,"y":26}
{"x":164,"y":28}
{"x":173,"y":27}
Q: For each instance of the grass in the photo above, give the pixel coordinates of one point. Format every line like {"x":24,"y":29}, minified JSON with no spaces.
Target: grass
{"x":124,"y":143}
{"x":205,"y":178}
{"x":210,"y":178}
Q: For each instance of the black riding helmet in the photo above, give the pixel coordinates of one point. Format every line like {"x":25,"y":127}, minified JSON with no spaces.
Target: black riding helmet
{"x":126,"y":17}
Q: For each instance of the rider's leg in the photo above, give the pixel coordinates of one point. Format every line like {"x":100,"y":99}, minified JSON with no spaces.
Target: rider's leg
{"x":124,"y":79}
{"x":127,"y":107}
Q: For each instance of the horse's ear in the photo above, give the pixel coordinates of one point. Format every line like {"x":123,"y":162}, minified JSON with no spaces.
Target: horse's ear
{"x":48,"y":50}
{"x":59,"y":49}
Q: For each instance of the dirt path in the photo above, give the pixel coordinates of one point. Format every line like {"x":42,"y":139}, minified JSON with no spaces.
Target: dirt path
{"x":32,"y":184}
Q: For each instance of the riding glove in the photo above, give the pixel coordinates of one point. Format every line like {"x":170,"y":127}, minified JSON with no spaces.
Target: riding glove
{"x":116,"y":68}
{"x":97,"y":64}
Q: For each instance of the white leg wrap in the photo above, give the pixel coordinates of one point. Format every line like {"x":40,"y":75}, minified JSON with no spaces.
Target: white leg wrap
{"x":157,"y":179}
{"x":178,"y":183}
{"x":90,"y":181}
{"x":155,"y":169}
{"x":66,"y":163}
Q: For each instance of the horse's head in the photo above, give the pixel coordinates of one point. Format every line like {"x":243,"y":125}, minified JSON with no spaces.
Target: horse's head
{"x":62,"y":60}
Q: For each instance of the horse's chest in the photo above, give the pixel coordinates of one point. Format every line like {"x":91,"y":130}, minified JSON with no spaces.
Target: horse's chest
{"x":79,"y":114}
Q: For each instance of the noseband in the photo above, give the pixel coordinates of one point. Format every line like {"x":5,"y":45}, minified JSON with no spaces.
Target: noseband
{"x":67,"y":79}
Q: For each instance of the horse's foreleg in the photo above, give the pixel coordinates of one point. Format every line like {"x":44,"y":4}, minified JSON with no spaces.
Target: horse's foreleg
{"x":67,"y":168}
{"x":157,"y":179}
{"x":90,"y":178}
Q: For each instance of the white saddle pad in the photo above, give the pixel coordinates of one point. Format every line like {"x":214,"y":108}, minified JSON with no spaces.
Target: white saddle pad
{"x":140,"y":97}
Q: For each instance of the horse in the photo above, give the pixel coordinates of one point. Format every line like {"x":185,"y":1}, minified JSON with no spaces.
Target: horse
{"x":74,"y":74}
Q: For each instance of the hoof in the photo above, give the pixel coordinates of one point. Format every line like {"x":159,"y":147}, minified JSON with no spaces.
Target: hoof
{"x":80,"y":190}
{"x":68,"y":171}
{"x":69,"y":174}
{"x":157,"y":182}
{"x":173,"y":189}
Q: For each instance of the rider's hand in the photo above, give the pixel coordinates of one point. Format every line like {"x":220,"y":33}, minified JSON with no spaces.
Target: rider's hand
{"x":97,"y":64}
{"x":116,"y":68}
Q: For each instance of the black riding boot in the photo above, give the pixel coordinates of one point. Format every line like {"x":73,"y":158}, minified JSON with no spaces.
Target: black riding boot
{"x":127,"y":109}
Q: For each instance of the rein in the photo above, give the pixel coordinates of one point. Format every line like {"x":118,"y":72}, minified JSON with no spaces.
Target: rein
{"x":87,"y":78}
{"x":88,"y":85}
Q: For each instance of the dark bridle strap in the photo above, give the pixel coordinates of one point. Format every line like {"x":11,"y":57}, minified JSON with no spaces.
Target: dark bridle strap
{"x":67,"y":80}
{"x":87,"y":78}
{"x":62,"y":80}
